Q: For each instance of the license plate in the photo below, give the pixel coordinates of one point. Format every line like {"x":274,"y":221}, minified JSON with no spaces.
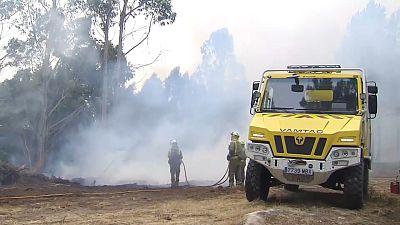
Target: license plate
{"x":294,"y":170}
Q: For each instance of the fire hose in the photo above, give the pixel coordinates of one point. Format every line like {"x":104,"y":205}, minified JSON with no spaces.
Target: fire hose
{"x":221,"y":181}
{"x":74,"y":194}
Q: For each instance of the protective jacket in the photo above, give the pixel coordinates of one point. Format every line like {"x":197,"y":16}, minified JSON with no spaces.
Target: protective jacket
{"x":236,"y":150}
{"x":175,"y":156}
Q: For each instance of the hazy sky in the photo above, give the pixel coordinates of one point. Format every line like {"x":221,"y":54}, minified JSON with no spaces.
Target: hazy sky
{"x":266,"y":33}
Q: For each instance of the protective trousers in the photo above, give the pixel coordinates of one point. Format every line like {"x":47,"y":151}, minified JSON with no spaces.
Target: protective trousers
{"x":175,"y":170}
{"x":235,"y":172}
{"x":242,"y":174}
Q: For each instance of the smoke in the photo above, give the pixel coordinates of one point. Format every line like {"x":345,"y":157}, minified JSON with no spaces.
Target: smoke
{"x":199,"y":110}
{"x":373,"y":43}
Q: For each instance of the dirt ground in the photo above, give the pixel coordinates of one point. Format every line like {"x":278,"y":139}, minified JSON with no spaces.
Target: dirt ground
{"x":195,"y":205}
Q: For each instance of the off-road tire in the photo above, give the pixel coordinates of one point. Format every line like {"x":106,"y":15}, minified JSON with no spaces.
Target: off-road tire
{"x":291,"y":187}
{"x":366,"y":180}
{"x":258,"y":181}
{"x":354,"y":186}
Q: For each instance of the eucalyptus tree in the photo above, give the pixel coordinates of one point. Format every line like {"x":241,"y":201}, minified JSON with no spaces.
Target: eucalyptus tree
{"x":148,"y":12}
{"x":103,"y":14}
{"x":40,"y":51}
{"x":8,"y":8}
{"x":106,"y":14}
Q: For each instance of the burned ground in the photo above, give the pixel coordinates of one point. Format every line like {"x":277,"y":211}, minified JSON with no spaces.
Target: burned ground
{"x":195,"y":205}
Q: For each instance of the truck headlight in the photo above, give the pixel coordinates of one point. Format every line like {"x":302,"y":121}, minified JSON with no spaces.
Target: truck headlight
{"x":347,"y":139}
{"x":344,"y":153}
{"x":262,"y":149}
{"x":258,"y":135}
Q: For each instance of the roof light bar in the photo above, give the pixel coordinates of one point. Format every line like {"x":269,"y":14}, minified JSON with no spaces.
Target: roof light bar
{"x":313,"y":68}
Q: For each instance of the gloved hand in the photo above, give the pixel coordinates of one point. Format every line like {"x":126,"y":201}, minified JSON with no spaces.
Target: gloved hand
{"x":228,"y":157}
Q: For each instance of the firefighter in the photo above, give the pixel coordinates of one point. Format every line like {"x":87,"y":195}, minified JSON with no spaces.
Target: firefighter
{"x":237,"y":159}
{"x":174,"y":160}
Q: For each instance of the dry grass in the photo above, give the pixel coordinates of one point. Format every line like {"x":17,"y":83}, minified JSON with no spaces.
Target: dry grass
{"x":382,"y":198}
{"x":219,"y":206}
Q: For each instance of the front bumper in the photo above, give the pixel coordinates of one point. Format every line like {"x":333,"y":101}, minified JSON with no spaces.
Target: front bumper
{"x":321,"y":169}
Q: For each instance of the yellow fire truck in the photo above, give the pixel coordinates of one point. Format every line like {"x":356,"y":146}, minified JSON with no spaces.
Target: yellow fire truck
{"x":311,"y":125}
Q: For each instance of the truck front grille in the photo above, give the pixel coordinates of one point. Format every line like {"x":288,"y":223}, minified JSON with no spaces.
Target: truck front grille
{"x":305,"y":148}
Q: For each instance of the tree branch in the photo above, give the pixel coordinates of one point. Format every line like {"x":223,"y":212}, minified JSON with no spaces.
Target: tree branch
{"x":8,"y":16}
{"x":70,"y":116}
{"x":132,"y":10}
{"x":43,"y":5}
{"x":28,"y":151}
{"x":141,"y":41}
{"x":2,"y":66}
{"x":147,"y":64}
{"x":4,"y":57}
{"x":134,"y":31}
{"x":57,"y":130}
{"x":2,"y":26}
{"x":57,"y":63}
{"x":99,"y":31}
{"x":57,"y":104}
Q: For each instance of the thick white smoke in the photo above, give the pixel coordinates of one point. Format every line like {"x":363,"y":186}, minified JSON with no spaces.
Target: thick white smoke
{"x":199,"y":111}
{"x":373,"y":43}
{"x":201,"y":108}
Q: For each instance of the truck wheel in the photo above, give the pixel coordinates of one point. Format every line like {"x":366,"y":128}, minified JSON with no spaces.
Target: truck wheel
{"x":354,"y":186}
{"x":257,"y":182}
{"x":366,"y":180}
{"x":291,"y":187}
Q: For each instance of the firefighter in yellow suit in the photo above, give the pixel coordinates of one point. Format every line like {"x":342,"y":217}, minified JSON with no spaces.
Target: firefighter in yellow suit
{"x":237,"y":160}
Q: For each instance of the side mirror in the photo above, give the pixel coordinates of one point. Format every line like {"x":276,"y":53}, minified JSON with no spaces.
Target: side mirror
{"x":372,"y":104}
{"x":373,"y":90}
{"x":256,"y":85}
{"x":254,"y":96}
{"x":297,"y":88}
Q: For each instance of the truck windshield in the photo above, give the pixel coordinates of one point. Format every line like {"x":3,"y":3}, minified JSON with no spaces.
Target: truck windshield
{"x":311,"y":95}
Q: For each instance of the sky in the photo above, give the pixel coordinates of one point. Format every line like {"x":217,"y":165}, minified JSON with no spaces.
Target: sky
{"x":267,"y":33}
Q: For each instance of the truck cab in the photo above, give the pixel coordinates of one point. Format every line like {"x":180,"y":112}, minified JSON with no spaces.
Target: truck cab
{"x":311,"y":125}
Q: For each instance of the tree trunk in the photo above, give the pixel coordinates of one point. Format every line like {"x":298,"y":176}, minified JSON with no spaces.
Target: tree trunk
{"x":105,"y":68}
{"x":27,"y":150}
{"x":41,"y":155}
{"x":42,"y":135}
{"x":118,"y":71}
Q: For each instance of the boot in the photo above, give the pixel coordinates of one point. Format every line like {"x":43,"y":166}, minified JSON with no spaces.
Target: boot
{"x":172,"y":183}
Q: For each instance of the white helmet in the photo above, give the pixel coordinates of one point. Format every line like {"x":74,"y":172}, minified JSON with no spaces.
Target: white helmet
{"x":173,"y":142}
{"x":235,"y":134}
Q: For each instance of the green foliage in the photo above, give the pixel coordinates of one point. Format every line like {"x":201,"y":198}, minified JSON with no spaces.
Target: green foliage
{"x":8,"y":8}
{"x":44,"y":32}
{"x":159,"y":10}
{"x":59,"y":64}
{"x":72,"y":87}
{"x":97,"y":9}
{"x":17,"y":113}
